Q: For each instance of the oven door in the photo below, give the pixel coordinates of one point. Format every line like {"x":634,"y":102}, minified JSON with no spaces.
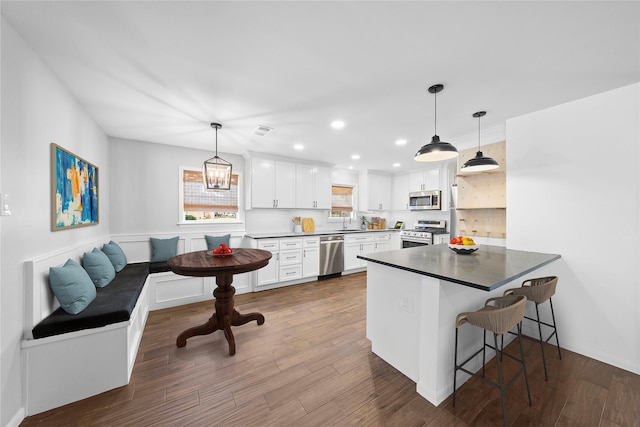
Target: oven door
{"x":412,"y":243}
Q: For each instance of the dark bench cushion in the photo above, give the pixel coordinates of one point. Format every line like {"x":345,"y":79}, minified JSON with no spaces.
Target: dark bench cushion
{"x":159,"y":267}
{"x":113,"y":304}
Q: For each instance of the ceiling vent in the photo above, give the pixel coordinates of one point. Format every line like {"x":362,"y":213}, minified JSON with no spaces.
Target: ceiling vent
{"x":262,"y":130}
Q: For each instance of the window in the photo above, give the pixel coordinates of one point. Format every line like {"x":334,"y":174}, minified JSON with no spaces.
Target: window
{"x":200,"y":205}
{"x":341,"y":202}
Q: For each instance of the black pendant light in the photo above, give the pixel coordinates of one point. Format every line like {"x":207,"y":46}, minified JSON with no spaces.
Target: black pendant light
{"x":436,"y":150}
{"x":479,"y":163}
{"x":216,"y":172}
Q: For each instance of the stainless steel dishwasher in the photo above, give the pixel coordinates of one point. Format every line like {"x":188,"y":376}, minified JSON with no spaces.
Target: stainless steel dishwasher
{"x":331,"y":254}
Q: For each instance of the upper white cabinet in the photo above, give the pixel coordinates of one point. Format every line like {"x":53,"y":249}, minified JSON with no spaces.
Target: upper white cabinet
{"x":400,"y":193}
{"x":273,"y":184}
{"x":379,"y":192}
{"x":313,"y":187}
{"x":425,"y":180}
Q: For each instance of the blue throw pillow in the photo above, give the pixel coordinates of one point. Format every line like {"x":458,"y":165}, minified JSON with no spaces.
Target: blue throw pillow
{"x":163,"y":249}
{"x":72,"y":286}
{"x":116,"y":255}
{"x":99,"y":267}
{"x":214,"y":241}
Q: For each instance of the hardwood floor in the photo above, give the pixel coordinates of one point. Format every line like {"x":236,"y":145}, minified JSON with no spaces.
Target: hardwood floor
{"x":310,"y":364}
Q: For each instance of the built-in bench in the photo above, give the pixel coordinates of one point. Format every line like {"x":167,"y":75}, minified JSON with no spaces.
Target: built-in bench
{"x":113,"y":304}
{"x":71,"y":357}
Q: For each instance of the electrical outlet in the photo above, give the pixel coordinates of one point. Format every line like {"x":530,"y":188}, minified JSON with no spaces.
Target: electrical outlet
{"x":406,"y":304}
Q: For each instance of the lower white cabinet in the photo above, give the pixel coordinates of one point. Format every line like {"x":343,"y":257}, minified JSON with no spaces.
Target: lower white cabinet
{"x":292,"y":259}
{"x":382,"y":242}
{"x":439,"y":239}
{"x":358,"y":244}
{"x":268,"y":275}
{"x":310,"y":256}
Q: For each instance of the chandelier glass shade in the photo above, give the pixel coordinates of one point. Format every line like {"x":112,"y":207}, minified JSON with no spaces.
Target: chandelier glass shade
{"x":216,"y":171}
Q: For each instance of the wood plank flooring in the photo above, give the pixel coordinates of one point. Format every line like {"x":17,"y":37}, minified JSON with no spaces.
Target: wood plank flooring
{"x":310,"y":364}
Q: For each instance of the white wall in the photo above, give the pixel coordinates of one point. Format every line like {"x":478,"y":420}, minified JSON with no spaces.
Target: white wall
{"x":145,"y":185}
{"x":36,"y":111}
{"x":573,"y":188}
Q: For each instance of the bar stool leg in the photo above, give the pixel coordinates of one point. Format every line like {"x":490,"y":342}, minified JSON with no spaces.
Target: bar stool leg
{"x":500,"y":380}
{"x":455,"y":368}
{"x":484,"y":347}
{"x":544,"y":362}
{"x":524,"y":366}
{"x":555,"y":329}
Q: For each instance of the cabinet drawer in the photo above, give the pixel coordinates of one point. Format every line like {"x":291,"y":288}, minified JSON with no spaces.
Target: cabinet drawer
{"x":295,"y":243}
{"x":290,"y":257}
{"x":359,"y":238}
{"x":383,"y":237}
{"x":292,"y":272}
{"x":311,"y":242}
{"x":268,"y":244}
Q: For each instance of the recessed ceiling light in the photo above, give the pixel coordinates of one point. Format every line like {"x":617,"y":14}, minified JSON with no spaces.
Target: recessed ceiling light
{"x":401,"y":142}
{"x":350,"y":167}
{"x":337,"y":124}
{"x":298,"y":147}
{"x":355,"y":156}
{"x":395,"y":165}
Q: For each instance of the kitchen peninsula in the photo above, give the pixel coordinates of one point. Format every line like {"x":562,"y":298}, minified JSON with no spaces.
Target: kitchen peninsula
{"x":414,"y":295}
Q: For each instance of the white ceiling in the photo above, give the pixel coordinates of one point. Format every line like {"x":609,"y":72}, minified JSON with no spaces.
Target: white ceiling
{"x":162,"y":71}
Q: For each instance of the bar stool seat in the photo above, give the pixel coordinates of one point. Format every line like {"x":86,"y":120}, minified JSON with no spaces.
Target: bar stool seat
{"x":540,"y":290}
{"x":498,"y":316}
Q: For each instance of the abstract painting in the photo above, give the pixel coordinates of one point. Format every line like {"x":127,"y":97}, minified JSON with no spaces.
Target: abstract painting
{"x":74,"y":190}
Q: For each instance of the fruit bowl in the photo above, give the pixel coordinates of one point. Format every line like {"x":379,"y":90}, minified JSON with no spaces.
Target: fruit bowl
{"x":219,"y":255}
{"x":463,"y":249}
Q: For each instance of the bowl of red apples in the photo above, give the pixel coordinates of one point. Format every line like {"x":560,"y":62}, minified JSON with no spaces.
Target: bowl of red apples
{"x":222,"y":250}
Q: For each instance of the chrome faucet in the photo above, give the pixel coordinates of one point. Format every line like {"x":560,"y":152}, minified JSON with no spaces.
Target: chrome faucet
{"x":344,"y":222}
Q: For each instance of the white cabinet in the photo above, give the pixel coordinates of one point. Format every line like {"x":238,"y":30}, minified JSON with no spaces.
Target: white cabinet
{"x":290,"y":259}
{"x":268,"y":275}
{"x":358,"y":244}
{"x":310,"y":256}
{"x":382,"y":242}
{"x":313,"y":187}
{"x":272,"y":184}
{"x":400,"y":193}
{"x":439,"y":239}
{"x":425,"y":180}
{"x":285,"y":263}
{"x":379,"y":192}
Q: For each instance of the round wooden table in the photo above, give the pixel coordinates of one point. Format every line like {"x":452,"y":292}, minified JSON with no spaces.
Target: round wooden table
{"x":203,"y":264}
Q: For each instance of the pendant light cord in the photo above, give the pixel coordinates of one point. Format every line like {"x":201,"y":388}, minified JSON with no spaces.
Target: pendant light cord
{"x":435,"y":113}
{"x":216,"y":142}
{"x":479,"y":132}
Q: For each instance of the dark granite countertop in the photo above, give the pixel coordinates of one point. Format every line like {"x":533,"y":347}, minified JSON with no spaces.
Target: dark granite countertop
{"x":315,"y":233}
{"x":488,"y":268}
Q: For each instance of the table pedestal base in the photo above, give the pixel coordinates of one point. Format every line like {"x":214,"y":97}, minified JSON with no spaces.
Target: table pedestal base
{"x":224,"y":317}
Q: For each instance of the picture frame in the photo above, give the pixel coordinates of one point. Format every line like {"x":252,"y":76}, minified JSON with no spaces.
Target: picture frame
{"x":74,"y":190}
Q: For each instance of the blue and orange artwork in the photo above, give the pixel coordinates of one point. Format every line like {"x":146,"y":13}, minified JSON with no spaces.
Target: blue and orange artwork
{"x":75,"y":190}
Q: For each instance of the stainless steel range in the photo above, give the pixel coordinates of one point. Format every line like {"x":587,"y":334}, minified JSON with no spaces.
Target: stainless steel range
{"x":422,"y":232}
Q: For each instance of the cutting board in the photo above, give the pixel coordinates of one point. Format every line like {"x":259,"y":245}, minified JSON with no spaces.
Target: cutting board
{"x":308,"y":225}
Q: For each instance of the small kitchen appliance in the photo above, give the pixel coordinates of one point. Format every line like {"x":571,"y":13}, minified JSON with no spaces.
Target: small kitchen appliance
{"x":422,"y":232}
{"x":423,"y":200}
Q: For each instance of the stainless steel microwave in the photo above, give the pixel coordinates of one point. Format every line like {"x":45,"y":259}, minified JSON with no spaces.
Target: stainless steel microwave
{"x":422,"y":200}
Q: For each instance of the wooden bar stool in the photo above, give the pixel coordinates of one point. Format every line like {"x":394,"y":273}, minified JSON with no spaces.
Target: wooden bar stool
{"x":540,"y":290}
{"x":498,"y":316}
